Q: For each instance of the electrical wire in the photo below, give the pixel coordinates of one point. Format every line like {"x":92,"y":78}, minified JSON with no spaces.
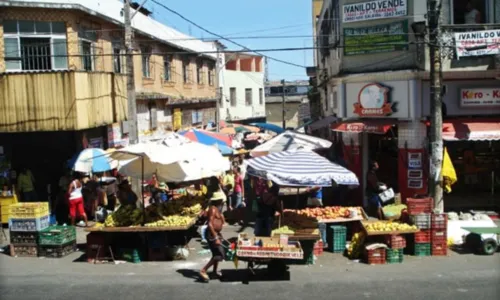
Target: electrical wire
{"x":226,"y":39}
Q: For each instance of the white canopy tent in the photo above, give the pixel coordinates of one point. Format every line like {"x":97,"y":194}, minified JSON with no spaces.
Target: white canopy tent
{"x":173,"y":159}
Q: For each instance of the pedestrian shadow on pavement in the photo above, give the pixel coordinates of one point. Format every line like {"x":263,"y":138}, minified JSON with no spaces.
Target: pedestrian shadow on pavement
{"x":241,"y":275}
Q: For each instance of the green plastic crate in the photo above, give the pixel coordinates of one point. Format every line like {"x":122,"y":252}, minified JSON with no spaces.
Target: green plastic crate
{"x":57,"y":235}
{"x":336,"y":238}
{"x":422,"y":249}
{"x":394,"y":256}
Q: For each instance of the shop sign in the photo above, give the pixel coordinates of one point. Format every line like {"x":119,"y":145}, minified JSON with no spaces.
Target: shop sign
{"x":415,"y":183}
{"x":373,"y":101}
{"x":96,"y":143}
{"x":477,"y":43}
{"x":481,"y":97}
{"x":376,"y":39}
{"x":373,"y":10}
{"x":414,"y":160}
{"x":415,"y":174}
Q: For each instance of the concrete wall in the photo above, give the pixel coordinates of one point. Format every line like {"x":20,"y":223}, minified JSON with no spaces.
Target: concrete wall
{"x":274,"y":114}
{"x":242,"y":80}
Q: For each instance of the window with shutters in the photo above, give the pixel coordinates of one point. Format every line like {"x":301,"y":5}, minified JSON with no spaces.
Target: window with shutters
{"x":211,"y":74}
{"x":146,"y":59}
{"x":199,"y":73}
{"x":186,"y":71}
{"x":35,"y":46}
{"x":168,"y":68}
{"x":248,"y":97}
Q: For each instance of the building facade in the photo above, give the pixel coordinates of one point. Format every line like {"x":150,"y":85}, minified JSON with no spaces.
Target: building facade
{"x":63,"y":82}
{"x":296,"y":103}
{"x":241,"y":82}
{"x":373,"y":73}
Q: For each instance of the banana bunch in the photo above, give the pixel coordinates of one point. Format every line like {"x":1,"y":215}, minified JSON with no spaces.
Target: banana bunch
{"x":356,"y":245}
{"x":192,"y":210}
{"x":121,"y":217}
{"x":171,"y":221}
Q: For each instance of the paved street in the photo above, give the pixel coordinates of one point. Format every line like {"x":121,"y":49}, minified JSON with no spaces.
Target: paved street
{"x":457,"y":276}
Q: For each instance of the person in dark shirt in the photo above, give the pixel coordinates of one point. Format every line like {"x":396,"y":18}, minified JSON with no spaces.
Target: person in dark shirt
{"x":268,"y":206}
{"x":372,"y":191}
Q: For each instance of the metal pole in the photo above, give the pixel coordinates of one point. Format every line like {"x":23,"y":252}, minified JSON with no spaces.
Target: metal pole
{"x":283,"y":103}
{"x":129,"y":67}
{"x":436,"y":118}
{"x":218,"y":91}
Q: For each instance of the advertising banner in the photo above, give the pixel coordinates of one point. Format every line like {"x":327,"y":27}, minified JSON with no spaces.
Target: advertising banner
{"x":372,"y":10}
{"x":477,"y":43}
{"x":376,"y":39}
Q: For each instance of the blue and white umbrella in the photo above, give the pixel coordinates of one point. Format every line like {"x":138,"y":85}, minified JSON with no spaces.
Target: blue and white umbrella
{"x":300,"y":168}
{"x":92,"y":160}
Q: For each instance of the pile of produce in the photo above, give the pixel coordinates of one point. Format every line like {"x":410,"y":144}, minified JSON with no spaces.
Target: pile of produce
{"x":356,"y":245}
{"x":171,"y":221}
{"x":328,"y":213}
{"x":283,"y":230}
{"x":178,"y":212}
{"x":293,"y":220}
{"x":393,"y":209}
{"x":389,"y":226}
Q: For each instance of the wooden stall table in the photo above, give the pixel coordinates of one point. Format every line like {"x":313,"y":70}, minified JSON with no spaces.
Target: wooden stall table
{"x":108,"y":233}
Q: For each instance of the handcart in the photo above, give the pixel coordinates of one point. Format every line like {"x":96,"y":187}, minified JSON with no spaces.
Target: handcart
{"x":259,"y":252}
{"x":484,"y":240}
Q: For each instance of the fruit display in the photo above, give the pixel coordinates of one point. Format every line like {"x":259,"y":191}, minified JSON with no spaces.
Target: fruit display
{"x":293,"y":220}
{"x":171,"y":221}
{"x":393,"y":209}
{"x":388,"y":227}
{"x":356,"y":245}
{"x":283,"y":230}
{"x":176,"y":212}
{"x":329,"y":212}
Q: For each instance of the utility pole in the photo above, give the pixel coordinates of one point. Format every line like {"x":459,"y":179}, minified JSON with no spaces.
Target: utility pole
{"x":435,"y":138}
{"x":218,"y":91}
{"x":283,"y":103}
{"x":129,"y":63}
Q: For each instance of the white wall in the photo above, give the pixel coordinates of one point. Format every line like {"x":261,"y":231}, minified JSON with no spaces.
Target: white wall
{"x":241,"y":81}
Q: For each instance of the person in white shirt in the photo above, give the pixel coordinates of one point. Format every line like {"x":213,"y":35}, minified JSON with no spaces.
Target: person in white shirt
{"x":472,"y":15}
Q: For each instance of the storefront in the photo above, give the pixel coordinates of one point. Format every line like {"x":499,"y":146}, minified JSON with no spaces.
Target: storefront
{"x":471,"y":134}
{"x":382,"y":123}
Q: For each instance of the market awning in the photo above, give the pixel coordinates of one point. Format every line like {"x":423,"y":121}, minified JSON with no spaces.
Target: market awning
{"x":471,"y":130}
{"x":322,"y":123}
{"x":370,"y":126}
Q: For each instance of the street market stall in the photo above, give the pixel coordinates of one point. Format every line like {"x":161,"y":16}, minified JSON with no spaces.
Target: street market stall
{"x":305,"y":168}
{"x":176,"y":160}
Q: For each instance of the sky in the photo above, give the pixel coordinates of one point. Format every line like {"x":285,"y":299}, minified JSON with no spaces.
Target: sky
{"x":249,"y":18}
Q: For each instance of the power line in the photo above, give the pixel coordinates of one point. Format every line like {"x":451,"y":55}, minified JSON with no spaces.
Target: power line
{"x":221,"y":37}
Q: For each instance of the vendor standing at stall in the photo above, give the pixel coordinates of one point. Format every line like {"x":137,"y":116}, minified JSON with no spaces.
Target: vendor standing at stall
{"x":268,"y":207}
{"x":125,"y":194}
{"x":213,"y":234}
{"x":373,"y":189}
{"x":26,"y":186}
{"x":315,"y":198}
{"x":75,"y":198}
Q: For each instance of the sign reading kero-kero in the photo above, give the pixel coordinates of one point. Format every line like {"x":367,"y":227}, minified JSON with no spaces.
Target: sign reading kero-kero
{"x":477,"y":43}
{"x":373,"y":10}
{"x":373,"y":101}
{"x":480,"y":97}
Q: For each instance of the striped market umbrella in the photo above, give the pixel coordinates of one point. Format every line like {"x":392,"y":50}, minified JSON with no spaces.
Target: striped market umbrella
{"x":300,"y":168}
{"x":209,"y":139}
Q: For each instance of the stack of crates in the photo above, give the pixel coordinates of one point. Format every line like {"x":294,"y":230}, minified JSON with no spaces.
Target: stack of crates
{"x":396,"y":244}
{"x":57,"y":241}
{"x":420,"y":211}
{"x":336,"y":238}
{"x":439,"y":236}
{"x":26,"y":220}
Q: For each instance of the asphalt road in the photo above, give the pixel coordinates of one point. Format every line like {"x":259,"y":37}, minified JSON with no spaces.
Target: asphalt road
{"x":453,"y":277}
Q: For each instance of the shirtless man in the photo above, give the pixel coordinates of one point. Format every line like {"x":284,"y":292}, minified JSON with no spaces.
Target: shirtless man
{"x":215,"y":223}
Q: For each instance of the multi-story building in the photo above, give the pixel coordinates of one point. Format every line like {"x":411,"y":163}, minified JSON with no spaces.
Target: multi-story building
{"x":373,"y":73}
{"x":63,"y":83}
{"x":317,"y":5}
{"x":241,"y":82}
{"x":296,"y":103}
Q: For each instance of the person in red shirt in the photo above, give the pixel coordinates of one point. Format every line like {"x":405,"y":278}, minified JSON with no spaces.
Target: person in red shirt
{"x":237,"y":196}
